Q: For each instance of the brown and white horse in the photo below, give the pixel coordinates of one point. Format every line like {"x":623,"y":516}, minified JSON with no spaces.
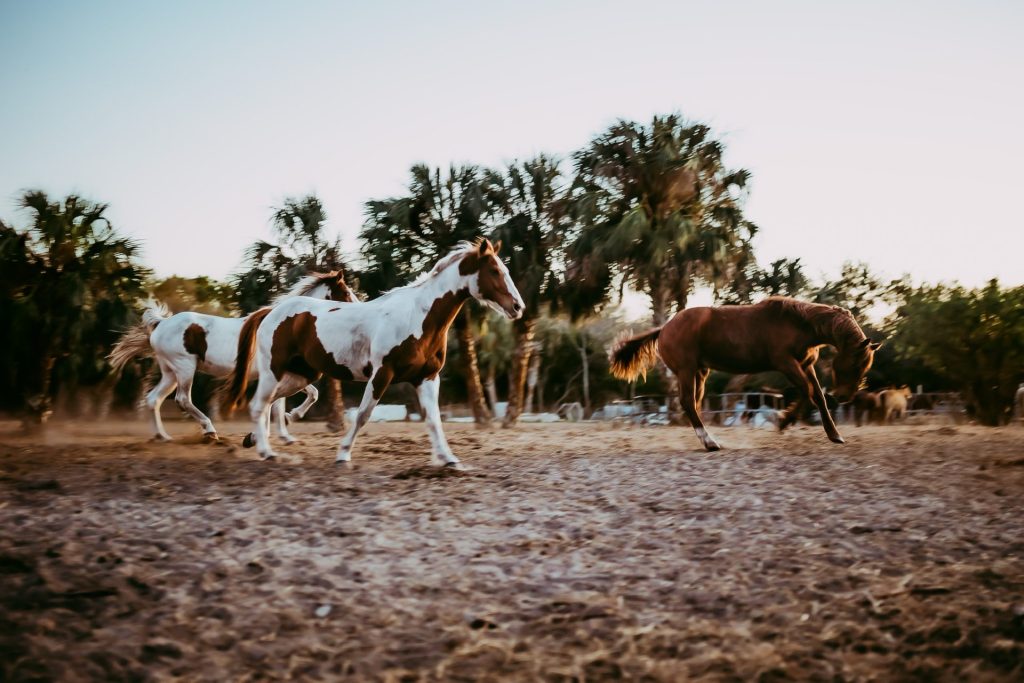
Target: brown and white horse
{"x":400,"y":336}
{"x":776,"y":334}
{"x":186,"y":343}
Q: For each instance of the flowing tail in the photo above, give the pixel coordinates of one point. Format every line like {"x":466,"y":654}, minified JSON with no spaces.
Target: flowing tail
{"x":134,"y":342}
{"x":633,"y":356}
{"x":246,"y":345}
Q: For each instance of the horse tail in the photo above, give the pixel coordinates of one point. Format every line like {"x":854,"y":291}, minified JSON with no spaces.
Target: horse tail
{"x":134,"y":342}
{"x":239,"y":379}
{"x":632,"y":356}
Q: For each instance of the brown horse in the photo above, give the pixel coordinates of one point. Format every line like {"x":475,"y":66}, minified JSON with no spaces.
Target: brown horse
{"x":866,"y":407}
{"x":893,"y":403}
{"x":777,"y":334}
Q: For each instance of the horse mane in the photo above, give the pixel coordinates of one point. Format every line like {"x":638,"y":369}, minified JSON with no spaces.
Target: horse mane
{"x":304,"y":286}
{"x":834,"y":323}
{"x":458,"y":251}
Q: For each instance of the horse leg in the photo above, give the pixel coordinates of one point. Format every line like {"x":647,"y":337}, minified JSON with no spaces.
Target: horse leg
{"x":155,"y":399}
{"x":277,"y":414}
{"x":819,"y":400}
{"x":184,"y":400}
{"x":300,"y":412}
{"x":691,"y":384}
{"x":374,"y":390}
{"x":441,"y":454}
{"x":259,"y":411}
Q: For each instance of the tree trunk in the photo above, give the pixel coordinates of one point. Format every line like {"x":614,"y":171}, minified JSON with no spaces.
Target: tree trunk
{"x":524,"y":330}
{"x":532,"y":376}
{"x":586,"y":373}
{"x":470,"y":368}
{"x":335,"y":405}
{"x":40,"y":407}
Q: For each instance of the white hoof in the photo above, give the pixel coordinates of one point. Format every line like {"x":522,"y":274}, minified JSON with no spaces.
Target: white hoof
{"x":288,"y":440}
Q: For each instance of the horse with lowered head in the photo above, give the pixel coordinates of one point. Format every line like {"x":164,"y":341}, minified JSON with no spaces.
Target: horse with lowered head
{"x":776,"y":334}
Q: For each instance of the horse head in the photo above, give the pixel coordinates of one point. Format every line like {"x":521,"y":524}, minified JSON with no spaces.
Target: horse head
{"x":489,"y":279}
{"x":849,"y":368}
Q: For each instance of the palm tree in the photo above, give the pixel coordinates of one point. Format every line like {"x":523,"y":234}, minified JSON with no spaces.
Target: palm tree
{"x":533,"y":211}
{"x":656,"y":204}
{"x":302,"y":245}
{"x":83,"y":278}
{"x":403,"y":236}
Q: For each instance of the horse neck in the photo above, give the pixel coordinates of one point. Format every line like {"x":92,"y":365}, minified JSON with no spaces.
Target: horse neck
{"x":839,"y":330}
{"x":440,"y":298}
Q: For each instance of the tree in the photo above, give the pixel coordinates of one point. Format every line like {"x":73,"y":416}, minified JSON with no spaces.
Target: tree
{"x":302,"y":245}
{"x":78,"y":281}
{"x":783,"y":277}
{"x":403,"y":236}
{"x":975,"y":337}
{"x":200,"y":294}
{"x":532,"y":210}
{"x":657,"y":204}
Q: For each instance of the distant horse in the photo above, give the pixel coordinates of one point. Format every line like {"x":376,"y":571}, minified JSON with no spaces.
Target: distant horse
{"x":893,"y":403}
{"x":185,"y":343}
{"x":777,"y":334}
{"x":866,"y":407}
{"x":401,"y":336}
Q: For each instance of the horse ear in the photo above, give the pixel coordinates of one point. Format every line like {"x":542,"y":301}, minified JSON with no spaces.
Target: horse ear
{"x":485,"y":246}
{"x":497,"y":246}
{"x":875,"y":345}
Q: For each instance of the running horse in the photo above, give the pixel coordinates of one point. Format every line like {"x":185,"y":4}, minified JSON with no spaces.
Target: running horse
{"x":776,"y":334}
{"x":186,"y":343}
{"x":401,"y":336}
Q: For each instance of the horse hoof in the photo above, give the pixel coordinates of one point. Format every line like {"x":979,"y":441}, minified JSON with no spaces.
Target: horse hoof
{"x":836,"y":439}
{"x":249,"y":441}
{"x":455,"y":466}
{"x":289,"y":440}
{"x":161,"y":438}
{"x":210,"y":437}
{"x":343,"y":464}
{"x":712,"y":446}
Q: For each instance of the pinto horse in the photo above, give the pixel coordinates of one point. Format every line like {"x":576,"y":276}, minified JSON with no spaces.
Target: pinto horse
{"x":186,"y":342}
{"x":401,"y":336}
{"x":776,"y":334}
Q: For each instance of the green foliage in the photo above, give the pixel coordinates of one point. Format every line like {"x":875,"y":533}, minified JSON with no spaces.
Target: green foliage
{"x":200,"y":294}
{"x":404,"y":236}
{"x":656,"y":206}
{"x":973,"y":337}
{"x":302,"y":246}
{"x":70,"y":282}
{"x":783,"y":277}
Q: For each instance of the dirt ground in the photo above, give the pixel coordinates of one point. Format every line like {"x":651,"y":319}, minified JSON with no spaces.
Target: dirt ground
{"x":568,"y":552}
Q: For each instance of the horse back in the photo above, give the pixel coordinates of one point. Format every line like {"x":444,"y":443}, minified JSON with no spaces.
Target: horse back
{"x":732,"y":338}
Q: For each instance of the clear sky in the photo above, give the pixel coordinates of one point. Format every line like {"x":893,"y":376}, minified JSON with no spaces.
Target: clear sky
{"x":889,"y":132}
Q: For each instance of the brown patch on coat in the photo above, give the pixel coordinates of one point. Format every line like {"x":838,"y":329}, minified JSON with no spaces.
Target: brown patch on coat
{"x":195,"y":341}
{"x":421,"y":358}
{"x":296,"y":348}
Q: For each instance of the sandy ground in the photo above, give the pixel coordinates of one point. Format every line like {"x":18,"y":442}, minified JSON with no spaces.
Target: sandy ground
{"x":569,"y":552}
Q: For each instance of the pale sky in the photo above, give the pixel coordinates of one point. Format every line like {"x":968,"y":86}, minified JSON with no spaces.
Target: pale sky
{"x":888,"y":132}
